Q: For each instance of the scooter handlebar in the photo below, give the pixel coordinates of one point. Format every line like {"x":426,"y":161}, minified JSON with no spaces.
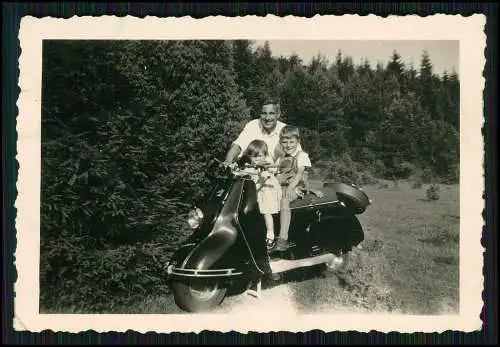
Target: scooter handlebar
{"x":235,"y":166}
{"x":226,"y":164}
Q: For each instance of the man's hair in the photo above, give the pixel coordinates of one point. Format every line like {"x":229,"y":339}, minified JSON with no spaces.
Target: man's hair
{"x":289,"y":131}
{"x":256,"y":147}
{"x":273,"y":101}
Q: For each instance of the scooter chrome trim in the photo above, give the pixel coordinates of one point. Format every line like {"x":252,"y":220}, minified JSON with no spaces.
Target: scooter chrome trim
{"x":286,"y":265}
{"x":173,"y":271}
{"x":314,"y":205}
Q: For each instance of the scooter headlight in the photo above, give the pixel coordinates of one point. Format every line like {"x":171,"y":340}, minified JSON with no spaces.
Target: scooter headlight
{"x":194,"y":218}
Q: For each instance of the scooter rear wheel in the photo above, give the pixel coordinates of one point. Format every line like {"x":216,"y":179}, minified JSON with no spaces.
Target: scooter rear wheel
{"x":198,"y":295}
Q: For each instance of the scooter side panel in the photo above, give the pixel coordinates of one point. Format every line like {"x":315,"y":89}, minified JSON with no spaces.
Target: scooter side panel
{"x":253,"y":229}
{"x":338,"y":233}
{"x":249,"y":251}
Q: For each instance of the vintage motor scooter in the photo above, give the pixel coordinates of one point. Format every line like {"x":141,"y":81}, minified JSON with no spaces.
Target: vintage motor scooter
{"x":227,"y":248}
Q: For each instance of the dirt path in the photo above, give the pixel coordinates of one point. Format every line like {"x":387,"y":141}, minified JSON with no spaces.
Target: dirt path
{"x":358,"y":289}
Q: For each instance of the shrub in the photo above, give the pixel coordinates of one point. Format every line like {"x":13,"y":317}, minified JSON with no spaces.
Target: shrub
{"x":433,"y":192}
{"x":383,"y":185}
{"x":403,"y":170}
{"x":453,"y":175}
{"x":416,"y":184}
{"x":395,"y":183}
{"x":97,"y":281}
{"x":343,"y":172}
{"x":127,"y":154}
{"x":367,"y":178}
{"x":379,"y":168}
{"x":427,"y":176}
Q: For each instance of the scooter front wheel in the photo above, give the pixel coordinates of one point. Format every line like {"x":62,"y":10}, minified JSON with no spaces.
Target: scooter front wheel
{"x":197,"y":295}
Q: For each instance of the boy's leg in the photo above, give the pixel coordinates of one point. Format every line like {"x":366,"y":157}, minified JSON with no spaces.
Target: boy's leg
{"x":305,"y":181}
{"x":285,"y":219}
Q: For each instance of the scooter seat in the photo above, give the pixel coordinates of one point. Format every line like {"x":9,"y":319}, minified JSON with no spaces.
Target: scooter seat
{"x":311,"y":199}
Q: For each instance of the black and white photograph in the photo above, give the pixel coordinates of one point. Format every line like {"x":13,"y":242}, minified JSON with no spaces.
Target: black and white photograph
{"x":281,"y":177}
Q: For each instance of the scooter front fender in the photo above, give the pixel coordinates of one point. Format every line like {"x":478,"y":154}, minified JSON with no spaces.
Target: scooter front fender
{"x":211,"y":249}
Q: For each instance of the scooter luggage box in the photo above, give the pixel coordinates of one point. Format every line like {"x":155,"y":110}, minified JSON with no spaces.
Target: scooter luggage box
{"x":352,"y":196}
{"x":311,"y":202}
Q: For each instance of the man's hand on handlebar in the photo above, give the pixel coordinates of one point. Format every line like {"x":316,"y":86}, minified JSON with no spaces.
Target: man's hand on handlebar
{"x":226,"y":164}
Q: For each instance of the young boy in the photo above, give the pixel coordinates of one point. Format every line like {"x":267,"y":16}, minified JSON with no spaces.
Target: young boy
{"x":297,"y":161}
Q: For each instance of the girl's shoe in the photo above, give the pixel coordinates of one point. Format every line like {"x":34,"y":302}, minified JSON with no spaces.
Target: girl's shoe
{"x":282,"y":245}
{"x":270,"y":244}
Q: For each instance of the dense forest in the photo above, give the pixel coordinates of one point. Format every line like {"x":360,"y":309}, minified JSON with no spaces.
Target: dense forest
{"x":129,"y":127}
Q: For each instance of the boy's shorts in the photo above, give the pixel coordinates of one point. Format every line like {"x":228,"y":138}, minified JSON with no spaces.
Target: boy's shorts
{"x":294,"y":197}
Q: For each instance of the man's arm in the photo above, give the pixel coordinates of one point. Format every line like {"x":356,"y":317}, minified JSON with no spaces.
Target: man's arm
{"x":233,"y":153}
{"x":240,"y":143}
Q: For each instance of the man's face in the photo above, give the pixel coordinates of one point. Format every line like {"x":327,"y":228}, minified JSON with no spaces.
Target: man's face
{"x":289,"y":144}
{"x":269,"y":117}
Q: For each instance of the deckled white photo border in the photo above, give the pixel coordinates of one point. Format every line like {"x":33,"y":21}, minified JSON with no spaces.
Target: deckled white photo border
{"x":468,"y":30}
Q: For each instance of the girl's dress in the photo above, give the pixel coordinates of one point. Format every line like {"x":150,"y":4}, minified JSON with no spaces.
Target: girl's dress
{"x":268,"y":191}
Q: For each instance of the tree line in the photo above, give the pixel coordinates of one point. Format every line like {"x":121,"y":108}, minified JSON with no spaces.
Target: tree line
{"x":129,"y":128}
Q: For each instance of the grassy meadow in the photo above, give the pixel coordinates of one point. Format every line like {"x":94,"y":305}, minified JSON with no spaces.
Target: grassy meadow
{"x":417,"y":242}
{"x":408,"y":264}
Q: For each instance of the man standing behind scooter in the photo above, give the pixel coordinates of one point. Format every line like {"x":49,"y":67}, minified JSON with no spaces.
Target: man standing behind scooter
{"x":266,"y":128}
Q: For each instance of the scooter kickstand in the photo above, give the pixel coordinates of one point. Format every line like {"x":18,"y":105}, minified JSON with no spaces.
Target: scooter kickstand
{"x":257,"y":291}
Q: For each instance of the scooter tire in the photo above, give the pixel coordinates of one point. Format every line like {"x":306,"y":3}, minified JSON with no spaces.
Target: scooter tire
{"x":186,"y":299}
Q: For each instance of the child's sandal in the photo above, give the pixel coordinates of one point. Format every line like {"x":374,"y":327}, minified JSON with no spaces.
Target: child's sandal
{"x":270,"y":243}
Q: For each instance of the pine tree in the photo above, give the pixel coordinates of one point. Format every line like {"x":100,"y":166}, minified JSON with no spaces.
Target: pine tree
{"x":395,"y":66}
{"x":364,"y":69}
{"x":453,"y":100}
{"x":266,"y":76}
{"x":428,"y":85}
{"x":244,"y":66}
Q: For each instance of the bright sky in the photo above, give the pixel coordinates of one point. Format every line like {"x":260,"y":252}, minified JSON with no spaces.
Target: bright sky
{"x":444,"y":55}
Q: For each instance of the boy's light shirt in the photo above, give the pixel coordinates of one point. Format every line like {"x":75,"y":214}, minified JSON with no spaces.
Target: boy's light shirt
{"x":302,"y":160}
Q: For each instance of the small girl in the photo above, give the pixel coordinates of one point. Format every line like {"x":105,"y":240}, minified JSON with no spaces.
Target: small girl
{"x":268,"y":187}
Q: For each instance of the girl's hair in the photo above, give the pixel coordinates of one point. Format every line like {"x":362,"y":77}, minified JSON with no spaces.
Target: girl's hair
{"x":256,"y":147}
{"x":290,"y":131}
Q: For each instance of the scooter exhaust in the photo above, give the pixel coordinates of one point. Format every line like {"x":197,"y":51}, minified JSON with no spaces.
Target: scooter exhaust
{"x":282,"y":265}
